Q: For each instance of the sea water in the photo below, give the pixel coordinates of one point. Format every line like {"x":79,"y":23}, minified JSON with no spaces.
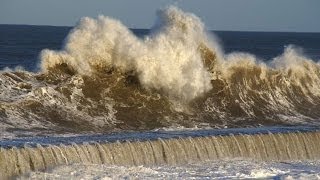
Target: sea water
{"x":101,"y":77}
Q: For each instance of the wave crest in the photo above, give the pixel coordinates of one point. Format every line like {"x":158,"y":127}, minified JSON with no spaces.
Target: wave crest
{"x":106,"y":78}
{"x":168,"y":60}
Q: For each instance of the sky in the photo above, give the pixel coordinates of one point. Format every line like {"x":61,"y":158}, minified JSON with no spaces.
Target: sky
{"x":234,"y":15}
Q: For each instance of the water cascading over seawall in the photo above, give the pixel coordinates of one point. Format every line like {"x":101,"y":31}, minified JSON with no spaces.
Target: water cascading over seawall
{"x":157,"y":149}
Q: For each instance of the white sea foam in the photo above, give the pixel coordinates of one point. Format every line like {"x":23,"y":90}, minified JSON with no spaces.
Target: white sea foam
{"x":167,"y":60}
{"x":194,"y":83}
{"x":228,"y":169}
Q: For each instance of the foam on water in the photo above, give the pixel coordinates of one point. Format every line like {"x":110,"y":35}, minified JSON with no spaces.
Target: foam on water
{"x":223,"y":169}
{"x":167,"y":60}
{"x":171,"y":150}
{"x":107,"y":79}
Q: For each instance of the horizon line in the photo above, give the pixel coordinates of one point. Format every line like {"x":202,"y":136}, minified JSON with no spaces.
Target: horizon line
{"x":131,"y":28}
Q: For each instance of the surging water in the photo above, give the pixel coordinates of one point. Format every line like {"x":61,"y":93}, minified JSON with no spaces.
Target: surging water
{"x":277,"y":147}
{"x":168,"y":59}
{"x":107,"y":79}
{"x":222,"y":169}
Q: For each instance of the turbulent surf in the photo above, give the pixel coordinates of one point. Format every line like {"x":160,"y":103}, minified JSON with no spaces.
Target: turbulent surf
{"x":105,"y":79}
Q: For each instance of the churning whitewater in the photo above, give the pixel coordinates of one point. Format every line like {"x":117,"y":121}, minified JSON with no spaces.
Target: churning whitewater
{"x":107,"y":79}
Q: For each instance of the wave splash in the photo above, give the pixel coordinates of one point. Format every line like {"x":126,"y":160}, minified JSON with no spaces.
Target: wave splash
{"x":168,"y":60}
{"x":106,"y":78}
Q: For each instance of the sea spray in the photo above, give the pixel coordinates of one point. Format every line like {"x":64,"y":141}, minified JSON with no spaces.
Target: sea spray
{"x":107,"y":79}
{"x":168,"y":60}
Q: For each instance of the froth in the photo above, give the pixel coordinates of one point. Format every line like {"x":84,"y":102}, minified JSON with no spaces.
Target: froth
{"x":297,"y":66}
{"x":96,"y":79}
{"x":168,"y":60}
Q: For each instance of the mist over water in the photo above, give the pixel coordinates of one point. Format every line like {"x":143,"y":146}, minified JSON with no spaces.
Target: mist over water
{"x":105,"y":78}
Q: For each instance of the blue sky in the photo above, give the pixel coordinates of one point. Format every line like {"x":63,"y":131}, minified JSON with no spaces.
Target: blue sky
{"x":243,"y":15}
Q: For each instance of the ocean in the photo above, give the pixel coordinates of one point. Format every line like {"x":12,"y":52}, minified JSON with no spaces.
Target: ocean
{"x":22,"y":44}
{"x":235,"y":104}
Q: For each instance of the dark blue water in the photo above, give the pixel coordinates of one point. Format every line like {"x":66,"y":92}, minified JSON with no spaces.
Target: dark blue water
{"x":20,"y":45}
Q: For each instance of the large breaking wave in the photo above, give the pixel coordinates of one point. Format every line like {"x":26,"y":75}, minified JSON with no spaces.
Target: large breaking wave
{"x":107,"y":79}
